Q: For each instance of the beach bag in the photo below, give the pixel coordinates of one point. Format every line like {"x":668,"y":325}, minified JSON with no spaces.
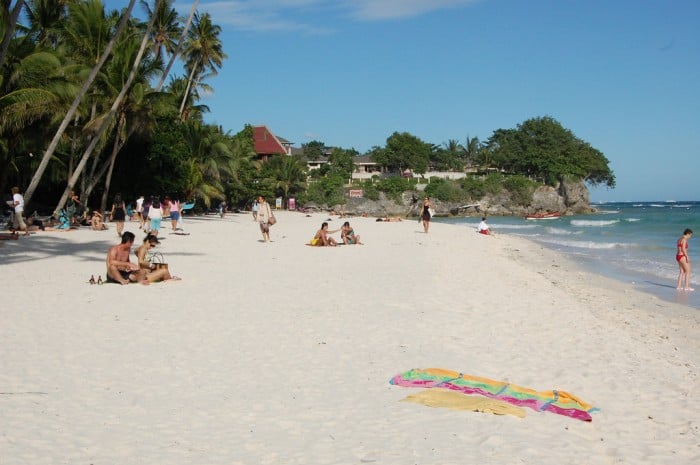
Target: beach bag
{"x":271,"y":220}
{"x":158,"y":261}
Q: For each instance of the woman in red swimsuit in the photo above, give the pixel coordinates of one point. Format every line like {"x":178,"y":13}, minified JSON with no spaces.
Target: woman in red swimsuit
{"x":683,"y":260}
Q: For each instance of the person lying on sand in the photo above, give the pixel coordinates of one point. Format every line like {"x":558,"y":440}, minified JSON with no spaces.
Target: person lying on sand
{"x":389,"y":219}
{"x":322,"y":237}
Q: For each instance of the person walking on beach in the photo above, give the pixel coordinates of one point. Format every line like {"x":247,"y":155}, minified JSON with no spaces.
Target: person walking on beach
{"x":118,"y":213}
{"x":263,"y":217}
{"x":256,"y":208}
{"x":17,"y":219}
{"x":425,"y":214}
{"x":683,"y":261}
{"x":139,"y":211}
{"x":174,"y":208}
{"x":155,"y":215}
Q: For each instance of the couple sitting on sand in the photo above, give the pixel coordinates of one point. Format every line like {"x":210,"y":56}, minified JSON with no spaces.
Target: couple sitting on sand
{"x":323,"y":238}
{"x":121,"y":270}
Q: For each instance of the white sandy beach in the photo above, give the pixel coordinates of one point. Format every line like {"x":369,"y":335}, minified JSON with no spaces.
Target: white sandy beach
{"x":279,"y":353}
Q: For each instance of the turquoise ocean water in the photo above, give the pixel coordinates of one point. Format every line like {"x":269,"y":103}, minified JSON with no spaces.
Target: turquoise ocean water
{"x":634,"y":242}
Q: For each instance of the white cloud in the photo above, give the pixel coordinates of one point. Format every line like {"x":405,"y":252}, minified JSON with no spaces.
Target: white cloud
{"x":302,"y":15}
{"x":377,"y":10}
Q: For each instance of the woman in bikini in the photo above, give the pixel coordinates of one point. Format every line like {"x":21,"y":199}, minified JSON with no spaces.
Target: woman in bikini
{"x":683,"y":261}
{"x":322,"y":237}
{"x":347,"y":234}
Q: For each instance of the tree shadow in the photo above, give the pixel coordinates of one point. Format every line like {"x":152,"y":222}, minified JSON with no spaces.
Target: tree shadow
{"x":40,"y":246}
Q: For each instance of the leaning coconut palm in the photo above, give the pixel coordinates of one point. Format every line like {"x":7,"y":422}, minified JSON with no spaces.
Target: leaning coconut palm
{"x":134,"y":114}
{"x":176,"y":89}
{"x":204,"y":53}
{"x":166,"y":28}
{"x":180,"y":42}
{"x":108,"y":119}
{"x":76,"y":102}
{"x":9,"y":21}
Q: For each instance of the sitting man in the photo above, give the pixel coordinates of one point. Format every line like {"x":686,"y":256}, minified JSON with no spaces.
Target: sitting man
{"x":119,"y":267}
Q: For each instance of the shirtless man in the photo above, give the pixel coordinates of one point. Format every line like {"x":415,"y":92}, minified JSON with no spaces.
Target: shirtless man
{"x":119,"y":268}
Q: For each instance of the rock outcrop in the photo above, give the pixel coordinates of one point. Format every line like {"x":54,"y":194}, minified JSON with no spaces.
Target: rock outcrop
{"x":568,"y":198}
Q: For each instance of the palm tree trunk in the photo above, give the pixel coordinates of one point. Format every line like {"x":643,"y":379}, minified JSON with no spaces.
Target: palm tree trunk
{"x":187,"y":91}
{"x":112,"y":159}
{"x":95,"y":178}
{"x":110,"y":115}
{"x":10,"y":29}
{"x":74,"y":106}
{"x":176,"y":53}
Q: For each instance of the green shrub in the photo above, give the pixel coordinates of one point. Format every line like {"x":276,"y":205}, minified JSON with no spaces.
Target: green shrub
{"x":493,"y":184}
{"x":444,"y":190}
{"x":394,"y":187}
{"x":328,"y":190}
{"x":473,"y":187}
{"x":370,"y":190}
{"x":520,"y":188}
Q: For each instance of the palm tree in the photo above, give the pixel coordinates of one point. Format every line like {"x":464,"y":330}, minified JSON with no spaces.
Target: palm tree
{"x":108,"y":119}
{"x":76,"y":102}
{"x":472,"y":150}
{"x":178,"y":48}
{"x":204,"y":54}
{"x":287,"y":174}
{"x":166,"y":28}
{"x":9,"y":21}
{"x":210,"y":162}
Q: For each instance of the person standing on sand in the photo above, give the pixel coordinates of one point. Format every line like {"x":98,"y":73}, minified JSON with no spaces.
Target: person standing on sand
{"x":256,"y":208}
{"x":17,"y":219}
{"x":263,"y":217}
{"x":425,"y":214}
{"x":118,"y":213}
{"x":683,"y":261}
{"x":155,"y":215}
{"x":139,"y":210}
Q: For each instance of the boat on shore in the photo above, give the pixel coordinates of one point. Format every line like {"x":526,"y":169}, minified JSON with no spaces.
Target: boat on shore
{"x":543,"y":216}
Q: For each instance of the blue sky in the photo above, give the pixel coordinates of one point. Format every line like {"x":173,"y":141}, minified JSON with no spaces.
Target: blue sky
{"x":622,"y":75}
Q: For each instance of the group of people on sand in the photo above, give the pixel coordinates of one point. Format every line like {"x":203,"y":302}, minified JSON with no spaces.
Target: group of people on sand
{"x":323,"y":238}
{"x":121,"y":270}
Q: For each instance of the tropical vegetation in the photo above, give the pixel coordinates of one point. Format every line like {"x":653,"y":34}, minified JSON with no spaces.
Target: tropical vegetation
{"x":88,"y":103}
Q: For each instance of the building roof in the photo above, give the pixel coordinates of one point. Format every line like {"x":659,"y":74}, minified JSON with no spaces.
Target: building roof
{"x":363,"y":160}
{"x":265,"y":142}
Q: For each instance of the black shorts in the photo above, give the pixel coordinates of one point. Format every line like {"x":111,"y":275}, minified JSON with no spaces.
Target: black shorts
{"x":125,"y":275}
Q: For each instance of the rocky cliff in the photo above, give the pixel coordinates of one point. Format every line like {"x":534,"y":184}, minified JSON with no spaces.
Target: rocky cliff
{"x":567,"y":198}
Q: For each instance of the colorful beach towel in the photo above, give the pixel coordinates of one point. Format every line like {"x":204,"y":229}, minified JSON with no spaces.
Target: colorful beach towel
{"x":559,"y":402}
{"x":445,"y":398}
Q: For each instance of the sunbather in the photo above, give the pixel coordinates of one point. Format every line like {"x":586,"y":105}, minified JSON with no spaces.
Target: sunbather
{"x":347,"y":234}
{"x":152,"y":273}
{"x":322,"y":237}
